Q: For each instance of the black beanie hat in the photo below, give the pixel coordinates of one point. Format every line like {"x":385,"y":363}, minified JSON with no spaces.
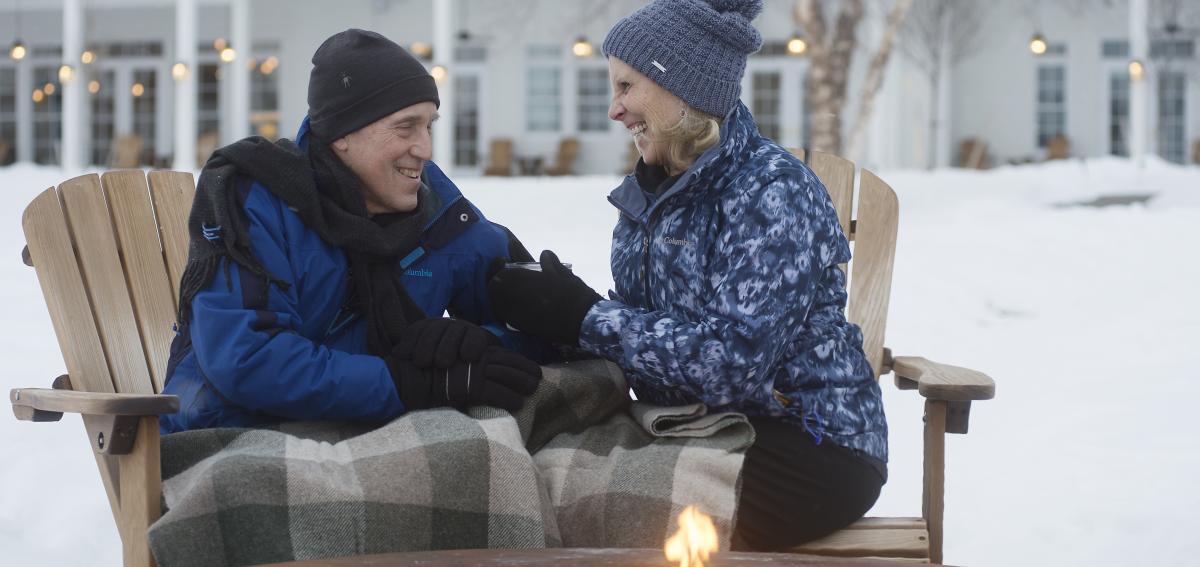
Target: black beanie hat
{"x":359,"y":77}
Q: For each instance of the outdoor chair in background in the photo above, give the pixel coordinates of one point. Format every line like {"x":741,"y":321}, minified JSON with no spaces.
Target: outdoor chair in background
{"x":109,"y":251}
{"x":1058,"y":147}
{"x":126,"y":152}
{"x":500,"y":157}
{"x":564,"y":159}
{"x":206,"y":144}
{"x":972,"y":154}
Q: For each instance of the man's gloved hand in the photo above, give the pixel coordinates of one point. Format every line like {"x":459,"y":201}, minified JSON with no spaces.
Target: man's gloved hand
{"x":500,"y":378}
{"x":443,"y":342}
{"x":549,"y":304}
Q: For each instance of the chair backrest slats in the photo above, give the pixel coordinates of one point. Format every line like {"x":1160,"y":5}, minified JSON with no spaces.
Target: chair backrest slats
{"x":149,"y":285}
{"x":99,"y":260}
{"x":873,"y":235}
{"x":172,"y":193}
{"x":874,"y":256}
{"x":837,"y":175}
{"x":66,"y":296}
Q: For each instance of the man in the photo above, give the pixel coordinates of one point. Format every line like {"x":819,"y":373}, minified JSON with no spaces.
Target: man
{"x":319,"y":270}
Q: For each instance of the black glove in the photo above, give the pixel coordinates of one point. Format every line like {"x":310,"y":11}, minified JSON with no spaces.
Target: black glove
{"x":501,"y":378}
{"x":549,"y":304}
{"x":443,"y":342}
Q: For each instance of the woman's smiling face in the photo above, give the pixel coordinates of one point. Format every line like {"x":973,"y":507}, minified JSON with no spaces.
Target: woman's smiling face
{"x":644,"y":108}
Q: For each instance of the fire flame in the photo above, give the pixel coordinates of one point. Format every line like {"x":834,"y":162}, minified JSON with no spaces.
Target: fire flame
{"x":694,"y":541}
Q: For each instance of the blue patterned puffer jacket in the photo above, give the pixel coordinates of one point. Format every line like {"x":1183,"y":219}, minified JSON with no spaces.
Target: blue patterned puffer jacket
{"x":728,"y":290}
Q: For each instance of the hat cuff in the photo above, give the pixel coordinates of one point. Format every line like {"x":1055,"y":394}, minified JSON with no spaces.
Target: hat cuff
{"x":388,"y":99}
{"x":639,"y":49}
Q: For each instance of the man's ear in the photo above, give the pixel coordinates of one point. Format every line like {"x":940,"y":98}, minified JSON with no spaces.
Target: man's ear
{"x":340,"y":144}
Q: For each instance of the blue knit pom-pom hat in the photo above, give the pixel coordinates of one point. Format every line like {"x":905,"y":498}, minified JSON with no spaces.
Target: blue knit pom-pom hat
{"x":696,"y":49}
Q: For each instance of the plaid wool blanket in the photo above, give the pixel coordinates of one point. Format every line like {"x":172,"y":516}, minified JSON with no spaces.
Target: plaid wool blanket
{"x":578,"y":466}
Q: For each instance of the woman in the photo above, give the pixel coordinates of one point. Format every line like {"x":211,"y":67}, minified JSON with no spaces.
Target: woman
{"x":728,"y":290}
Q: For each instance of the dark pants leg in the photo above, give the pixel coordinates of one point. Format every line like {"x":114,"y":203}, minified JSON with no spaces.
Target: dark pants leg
{"x":795,"y":491}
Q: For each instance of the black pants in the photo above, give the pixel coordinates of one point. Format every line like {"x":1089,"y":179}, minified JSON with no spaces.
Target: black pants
{"x":795,"y":491}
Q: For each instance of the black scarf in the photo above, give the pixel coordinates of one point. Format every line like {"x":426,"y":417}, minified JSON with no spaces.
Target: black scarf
{"x":327,"y":196}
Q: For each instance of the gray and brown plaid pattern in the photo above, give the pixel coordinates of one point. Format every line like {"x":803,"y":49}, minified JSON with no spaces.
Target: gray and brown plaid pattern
{"x":578,"y":466}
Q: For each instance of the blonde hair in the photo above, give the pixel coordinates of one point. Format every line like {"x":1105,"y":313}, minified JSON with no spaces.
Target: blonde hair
{"x":695,"y":132}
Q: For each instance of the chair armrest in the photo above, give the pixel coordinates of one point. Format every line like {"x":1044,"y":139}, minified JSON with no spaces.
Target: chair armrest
{"x":41,"y":404}
{"x":938,"y":381}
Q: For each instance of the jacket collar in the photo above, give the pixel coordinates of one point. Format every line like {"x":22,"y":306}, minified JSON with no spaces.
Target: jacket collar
{"x":737,"y":131}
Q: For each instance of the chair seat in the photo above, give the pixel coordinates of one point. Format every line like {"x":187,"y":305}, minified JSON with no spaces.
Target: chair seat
{"x":875,"y":537}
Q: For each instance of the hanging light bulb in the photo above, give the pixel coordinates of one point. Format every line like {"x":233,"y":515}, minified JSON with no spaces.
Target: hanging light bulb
{"x":1037,"y":44}
{"x":796,"y":45}
{"x":179,"y":71}
{"x":1137,"y":71}
{"x":49,"y":88}
{"x":87,"y":57}
{"x":421,"y":49}
{"x":219,"y":44}
{"x":439,"y":74}
{"x":137,"y":90}
{"x":228,"y":54}
{"x":38,"y":96}
{"x":66,"y":74}
{"x":18,"y":50}
{"x":269,"y":65}
{"x":94,"y":86}
{"x":582,"y":47}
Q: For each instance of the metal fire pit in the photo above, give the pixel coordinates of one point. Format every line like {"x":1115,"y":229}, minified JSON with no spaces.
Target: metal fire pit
{"x":579,"y":558}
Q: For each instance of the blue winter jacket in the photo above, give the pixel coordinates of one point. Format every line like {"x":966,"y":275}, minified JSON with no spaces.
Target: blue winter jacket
{"x":728,"y":292}
{"x":300,"y":355}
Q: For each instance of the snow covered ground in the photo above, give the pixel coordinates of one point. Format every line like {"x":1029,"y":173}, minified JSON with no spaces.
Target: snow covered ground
{"x":1089,"y":455}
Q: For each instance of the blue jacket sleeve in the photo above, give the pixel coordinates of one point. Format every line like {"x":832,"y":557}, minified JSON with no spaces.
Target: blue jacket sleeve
{"x":763,"y":271}
{"x":247,"y":340}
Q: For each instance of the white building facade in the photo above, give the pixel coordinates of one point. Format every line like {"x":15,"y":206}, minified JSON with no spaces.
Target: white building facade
{"x":511,"y":73}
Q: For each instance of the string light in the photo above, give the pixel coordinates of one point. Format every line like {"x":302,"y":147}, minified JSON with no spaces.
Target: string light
{"x":1137,"y":71}
{"x":582,"y":47}
{"x":94,"y":86}
{"x":38,"y":96}
{"x":137,"y":90}
{"x":421,"y":49}
{"x":796,"y":45}
{"x":1037,"y":44}
{"x":87,"y":57}
{"x":179,"y":71}
{"x":49,"y":88}
{"x":18,"y":50}
{"x":228,"y":54}
{"x":66,"y":74}
{"x":439,"y":74}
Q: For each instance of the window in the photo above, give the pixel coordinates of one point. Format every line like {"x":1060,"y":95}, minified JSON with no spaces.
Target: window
{"x":1118,"y":114}
{"x":1172,"y":49}
{"x":466,"y":119}
{"x":208,"y":100}
{"x":765,"y":103}
{"x":1172,"y":94}
{"x":1051,"y":103}
{"x":103,"y":103}
{"x":264,"y":99}
{"x":1114,"y":49}
{"x":543,"y":99}
{"x":145,"y":102}
{"x":543,"y":88}
{"x":593,"y":100}
{"x":8,"y":114}
{"x":47,"y":115}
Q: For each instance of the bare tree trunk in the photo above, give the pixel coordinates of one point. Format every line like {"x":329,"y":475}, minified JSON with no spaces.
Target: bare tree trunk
{"x":935,"y":91}
{"x":874,"y":81}
{"x":828,"y":71}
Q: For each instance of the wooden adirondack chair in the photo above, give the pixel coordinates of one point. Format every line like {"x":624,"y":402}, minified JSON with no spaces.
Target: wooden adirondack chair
{"x":108,"y":270}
